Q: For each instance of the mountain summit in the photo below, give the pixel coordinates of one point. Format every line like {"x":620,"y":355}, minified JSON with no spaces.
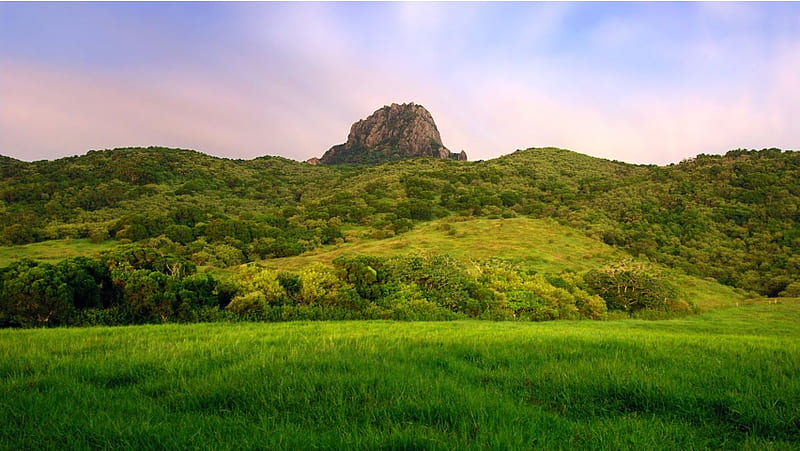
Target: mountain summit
{"x":392,"y":133}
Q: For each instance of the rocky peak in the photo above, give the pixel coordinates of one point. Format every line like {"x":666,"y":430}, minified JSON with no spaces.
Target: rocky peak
{"x":391,"y":133}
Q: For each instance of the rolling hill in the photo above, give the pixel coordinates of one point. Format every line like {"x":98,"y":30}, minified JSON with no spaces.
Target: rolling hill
{"x":731,"y":218}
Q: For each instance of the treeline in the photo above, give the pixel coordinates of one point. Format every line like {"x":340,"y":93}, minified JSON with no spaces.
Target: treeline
{"x":132,"y":285}
{"x":734,"y":217}
{"x":135,"y":285}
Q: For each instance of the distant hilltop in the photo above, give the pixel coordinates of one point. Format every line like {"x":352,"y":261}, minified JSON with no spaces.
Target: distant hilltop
{"x":393,"y":132}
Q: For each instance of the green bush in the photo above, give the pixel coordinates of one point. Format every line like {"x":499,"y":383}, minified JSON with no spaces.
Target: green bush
{"x":20,"y":234}
{"x":34,"y":294}
{"x":539,"y":297}
{"x":179,"y":233}
{"x":251,"y":305}
{"x":441,"y":279}
{"x":362,"y":272}
{"x":631,"y":286}
{"x":421,"y":310}
{"x":791,"y":291}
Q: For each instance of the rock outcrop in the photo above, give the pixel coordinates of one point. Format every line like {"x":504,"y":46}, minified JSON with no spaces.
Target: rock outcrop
{"x":393,"y":132}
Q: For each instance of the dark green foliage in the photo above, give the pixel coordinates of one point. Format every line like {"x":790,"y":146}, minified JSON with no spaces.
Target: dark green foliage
{"x":150,"y":296}
{"x":275,"y":247}
{"x":362,"y":272}
{"x":39,"y":294}
{"x":34,"y":294}
{"x":201,"y":290}
{"x":137,"y":286}
{"x":89,"y":282}
{"x":441,"y":281}
{"x":137,"y":257}
{"x":416,"y":209}
{"x":630,"y":287}
{"x":179,"y":233}
{"x":20,"y":234}
{"x":290,"y":283}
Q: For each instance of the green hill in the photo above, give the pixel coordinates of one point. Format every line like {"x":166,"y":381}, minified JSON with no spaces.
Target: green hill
{"x":731,"y":218}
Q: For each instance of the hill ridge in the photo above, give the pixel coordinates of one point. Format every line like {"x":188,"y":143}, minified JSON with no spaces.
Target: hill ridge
{"x":732,"y":217}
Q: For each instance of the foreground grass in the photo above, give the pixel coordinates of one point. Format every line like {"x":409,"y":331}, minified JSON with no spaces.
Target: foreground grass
{"x":727,"y":379}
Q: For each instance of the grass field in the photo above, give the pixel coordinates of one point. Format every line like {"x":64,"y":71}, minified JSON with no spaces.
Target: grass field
{"x":540,"y":244}
{"x":53,"y":251}
{"x":725,"y":379}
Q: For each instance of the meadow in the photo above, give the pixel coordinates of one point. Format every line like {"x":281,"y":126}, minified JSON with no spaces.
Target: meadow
{"x":722,"y":379}
{"x":53,"y":251}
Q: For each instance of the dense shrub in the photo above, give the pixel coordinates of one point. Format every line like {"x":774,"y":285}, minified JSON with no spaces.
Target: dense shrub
{"x":792,"y":290}
{"x":34,"y":294}
{"x":20,"y":234}
{"x":135,"y":284}
{"x":632,"y":286}
{"x":441,"y":279}
{"x":539,"y":297}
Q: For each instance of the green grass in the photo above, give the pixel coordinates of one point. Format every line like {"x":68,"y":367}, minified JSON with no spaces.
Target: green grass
{"x":726,"y":379}
{"x":540,"y":244}
{"x":53,"y":251}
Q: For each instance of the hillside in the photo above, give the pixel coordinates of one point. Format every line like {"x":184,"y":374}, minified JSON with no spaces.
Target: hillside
{"x":733,"y":218}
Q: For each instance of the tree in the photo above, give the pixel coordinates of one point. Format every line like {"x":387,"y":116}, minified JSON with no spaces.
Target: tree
{"x":631,"y":286}
{"x":34,"y":294}
{"x":179,"y":233}
{"x":362,"y":272}
{"x":151,"y":296}
{"x":253,"y":279}
{"x":20,"y":234}
{"x":318,"y":286}
{"x":88,"y":281}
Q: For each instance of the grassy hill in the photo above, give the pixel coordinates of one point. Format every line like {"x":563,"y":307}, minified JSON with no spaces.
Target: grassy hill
{"x":731,"y":218}
{"x":539,"y":244}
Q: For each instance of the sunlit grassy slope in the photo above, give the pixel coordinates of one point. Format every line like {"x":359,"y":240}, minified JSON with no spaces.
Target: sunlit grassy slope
{"x":541,"y":245}
{"x":721,"y":380}
{"x":53,"y":251}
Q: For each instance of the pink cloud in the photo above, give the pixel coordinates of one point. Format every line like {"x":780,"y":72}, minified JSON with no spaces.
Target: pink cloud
{"x":309,"y":104}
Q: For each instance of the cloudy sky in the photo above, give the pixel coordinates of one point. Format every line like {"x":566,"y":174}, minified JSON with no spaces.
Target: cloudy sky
{"x":637,"y":82}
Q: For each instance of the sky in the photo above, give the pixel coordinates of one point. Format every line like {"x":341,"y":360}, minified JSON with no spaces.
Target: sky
{"x":652,"y":83}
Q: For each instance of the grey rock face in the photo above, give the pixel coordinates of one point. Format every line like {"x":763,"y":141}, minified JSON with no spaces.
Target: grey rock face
{"x":391,"y":133}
